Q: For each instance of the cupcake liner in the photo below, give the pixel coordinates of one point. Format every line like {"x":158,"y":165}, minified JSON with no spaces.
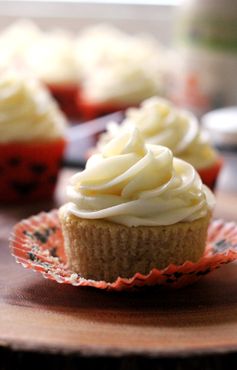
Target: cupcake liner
{"x":29,"y":170}
{"x":37,"y":243}
{"x":90,"y":110}
{"x":66,"y":96}
{"x":209,"y":175}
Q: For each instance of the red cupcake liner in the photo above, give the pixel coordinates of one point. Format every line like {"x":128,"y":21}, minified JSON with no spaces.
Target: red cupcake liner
{"x":37,"y":243}
{"x":66,"y":96}
{"x":210,"y":174}
{"x":29,"y":170}
{"x":91,"y":110}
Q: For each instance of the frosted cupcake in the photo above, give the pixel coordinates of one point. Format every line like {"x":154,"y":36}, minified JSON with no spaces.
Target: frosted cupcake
{"x":51,"y":59}
{"x":134,"y":208}
{"x":115,"y":88}
{"x":160,"y":122}
{"x":119,"y":70}
{"x":31,"y":139}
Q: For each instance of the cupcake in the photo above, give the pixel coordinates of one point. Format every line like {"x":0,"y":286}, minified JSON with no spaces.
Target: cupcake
{"x":134,"y":208}
{"x":31,"y":139}
{"x":160,"y":122}
{"x":51,"y":59}
{"x":114,"y":88}
{"x":118,"y":70}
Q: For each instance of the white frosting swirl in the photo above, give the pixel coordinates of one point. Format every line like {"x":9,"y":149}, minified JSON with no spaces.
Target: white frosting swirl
{"x":160,"y":122}
{"x":18,"y":37}
{"x":104,"y":44}
{"x":27,"y":111}
{"x":118,"y":67}
{"x":52,"y":58}
{"x":136,"y":184}
{"x":119,"y":83}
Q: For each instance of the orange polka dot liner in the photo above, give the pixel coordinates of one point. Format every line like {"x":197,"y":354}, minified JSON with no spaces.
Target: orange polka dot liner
{"x":37,"y":244}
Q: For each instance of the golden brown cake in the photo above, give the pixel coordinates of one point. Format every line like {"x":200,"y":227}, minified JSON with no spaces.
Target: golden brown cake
{"x":134,"y":208}
{"x":102,"y":250}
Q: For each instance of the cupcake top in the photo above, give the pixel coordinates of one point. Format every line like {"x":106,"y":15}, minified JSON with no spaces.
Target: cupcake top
{"x":27,"y":111}
{"x":160,"y":122}
{"x":104,"y":44}
{"x":52,"y":59}
{"x":133,"y":183}
{"x":117,"y":66}
{"x":17,"y":38}
{"x":120,"y":83}
{"x":96,"y":45}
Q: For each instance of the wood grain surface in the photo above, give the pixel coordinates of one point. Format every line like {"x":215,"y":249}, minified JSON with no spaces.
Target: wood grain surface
{"x":40,"y":315}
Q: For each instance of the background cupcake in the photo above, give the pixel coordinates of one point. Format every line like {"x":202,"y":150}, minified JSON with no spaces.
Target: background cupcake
{"x":51,"y":59}
{"x":118,"y":70}
{"x":31,"y":139}
{"x":160,"y":122}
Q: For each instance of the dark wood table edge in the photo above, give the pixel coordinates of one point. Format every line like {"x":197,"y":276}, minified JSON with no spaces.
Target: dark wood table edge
{"x":85,"y":351}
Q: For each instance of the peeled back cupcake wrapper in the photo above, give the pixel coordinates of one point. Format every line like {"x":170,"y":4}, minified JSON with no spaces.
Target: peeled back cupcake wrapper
{"x":37,"y":243}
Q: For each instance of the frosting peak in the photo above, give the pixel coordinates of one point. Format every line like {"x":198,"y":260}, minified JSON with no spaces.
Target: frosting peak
{"x":160,"y":122}
{"x":52,"y":59}
{"x":134,"y":183}
{"x":124,"y":144}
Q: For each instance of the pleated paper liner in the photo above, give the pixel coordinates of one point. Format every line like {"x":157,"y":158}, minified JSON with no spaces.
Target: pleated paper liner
{"x":66,"y":96}
{"x":29,"y":170}
{"x":37,"y":243}
{"x":210,"y":174}
{"x":92,"y":110}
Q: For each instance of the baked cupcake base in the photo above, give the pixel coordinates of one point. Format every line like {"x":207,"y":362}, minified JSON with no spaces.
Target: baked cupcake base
{"x":37,"y":243}
{"x":102,"y":250}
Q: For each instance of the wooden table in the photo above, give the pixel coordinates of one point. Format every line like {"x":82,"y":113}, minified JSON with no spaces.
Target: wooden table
{"x":161,"y":327}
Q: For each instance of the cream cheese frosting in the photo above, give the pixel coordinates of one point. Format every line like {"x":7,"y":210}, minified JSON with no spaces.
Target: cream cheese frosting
{"x":160,"y":122}
{"x":52,"y":58}
{"x":120,"y":83}
{"x":98,"y":45}
{"x":18,"y":37}
{"x":133,"y":183}
{"x":27,"y":111}
{"x":118,"y":67}
{"x":103,"y":44}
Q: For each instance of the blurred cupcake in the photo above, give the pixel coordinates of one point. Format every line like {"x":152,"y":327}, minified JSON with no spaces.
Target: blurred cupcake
{"x":15,"y":40}
{"x":115,"y":88}
{"x":51,"y":59}
{"x":134,"y":208}
{"x":118,"y":70}
{"x":160,"y":122}
{"x":31,"y":139}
